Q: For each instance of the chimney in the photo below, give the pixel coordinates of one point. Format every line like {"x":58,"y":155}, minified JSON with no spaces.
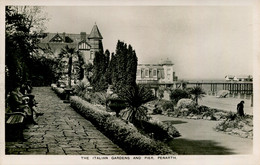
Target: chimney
{"x":83,"y":36}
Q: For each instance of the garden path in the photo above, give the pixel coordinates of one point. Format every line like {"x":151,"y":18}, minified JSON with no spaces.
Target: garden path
{"x":61,"y":131}
{"x":199,"y":138}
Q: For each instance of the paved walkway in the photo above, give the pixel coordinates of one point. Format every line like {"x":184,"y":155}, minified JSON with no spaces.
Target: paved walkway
{"x":200,"y":133}
{"x":61,"y":131}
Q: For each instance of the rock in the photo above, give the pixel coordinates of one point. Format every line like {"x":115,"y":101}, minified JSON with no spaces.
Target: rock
{"x":247,"y":128}
{"x":237,"y":131}
{"x":244,"y":135}
{"x":223,"y":93}
{"x":250,"y":135}
{"x":221,"y":128}
{"x":184,"y":103}
{"x":228,"y":130}
{"x":194,"y":117}
{"x":184,"y":110}
{"x":208,"y":118}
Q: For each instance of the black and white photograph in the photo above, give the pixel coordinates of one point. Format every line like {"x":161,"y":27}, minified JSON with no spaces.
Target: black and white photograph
{"x":107,"y":83}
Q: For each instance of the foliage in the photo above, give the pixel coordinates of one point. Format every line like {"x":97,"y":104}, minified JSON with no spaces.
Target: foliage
{"x":40,"y":63}
{"x":161,"y":92}
{"x":59,"y":91}
{"x":122,"y":67}
{"x":197,"y":93}
{"x":167,"y":105}
{"x":100,"y":65}
{"x":68,"y":52}
{"x":135,"y":96}
{"x":79,"y":67}
{"x":158,"y":130}
{"x":231,"y":116}
{"x":21,"y":41}
{"x":124,"y":135}
{"x":237,"y":125}
{"x":80,"y":88}
{"x":178,"y":94}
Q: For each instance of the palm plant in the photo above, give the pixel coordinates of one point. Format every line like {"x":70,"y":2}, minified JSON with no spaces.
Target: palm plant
{"x":135,"y":96}
{"x":197,"y":93}
{"x":68,"y":53}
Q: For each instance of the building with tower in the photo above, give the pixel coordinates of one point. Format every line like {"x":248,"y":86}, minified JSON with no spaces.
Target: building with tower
{"x":156,"y":74}
{"x":87,"y":44}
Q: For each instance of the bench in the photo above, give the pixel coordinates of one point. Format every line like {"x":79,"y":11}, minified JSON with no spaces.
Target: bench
{"x":14,"y":126}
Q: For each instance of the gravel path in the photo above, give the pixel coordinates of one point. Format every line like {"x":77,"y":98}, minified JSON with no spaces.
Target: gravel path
{"x":61,"y":131}
{"x":199,"y":131}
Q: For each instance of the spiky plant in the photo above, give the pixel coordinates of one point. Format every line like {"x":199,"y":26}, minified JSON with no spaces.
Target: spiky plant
{"x":135,"y":96}
{"x":197,"y":92}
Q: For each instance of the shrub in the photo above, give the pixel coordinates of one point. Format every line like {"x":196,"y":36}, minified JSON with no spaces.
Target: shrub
{"x":80,"y":88}
{"x":231,"y":116}
{"x":125,"y":135}
{"x":59,"y":91}
{"x":95,"y":98}
{"x":168,"y":105}
{"x":236,"y":125}
{"x":158,"y":129}
{"x":178,"y":94}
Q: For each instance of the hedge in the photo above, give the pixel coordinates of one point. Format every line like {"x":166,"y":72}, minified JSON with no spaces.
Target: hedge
{"x":125,"y":135}
{"x":59,"y":91}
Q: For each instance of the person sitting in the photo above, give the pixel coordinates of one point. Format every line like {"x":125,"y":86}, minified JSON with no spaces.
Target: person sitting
{"x":22,"y":103}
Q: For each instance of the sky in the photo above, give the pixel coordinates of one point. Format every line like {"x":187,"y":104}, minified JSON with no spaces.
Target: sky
{"x":203,"y":42}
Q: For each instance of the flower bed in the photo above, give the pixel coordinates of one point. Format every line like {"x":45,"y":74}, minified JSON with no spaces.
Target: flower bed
{"x":125,"y":135}
{"x":59,"y":91}
{"x":236,"y":125}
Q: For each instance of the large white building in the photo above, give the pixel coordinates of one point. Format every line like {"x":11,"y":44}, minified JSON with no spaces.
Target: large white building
{"x":156,"y":74}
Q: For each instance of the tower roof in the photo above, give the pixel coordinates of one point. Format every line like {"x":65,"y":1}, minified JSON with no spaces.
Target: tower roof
{"x":167,"y":62}
{"x":95,"y":33}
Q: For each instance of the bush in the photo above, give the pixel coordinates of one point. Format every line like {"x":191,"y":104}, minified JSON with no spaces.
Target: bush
{"x":59,"y":91}
{"x":125,"y":135}
{"x":95,"y":98}
{"x":178,"y":94}
{"x":80,"y":89}
{"x":157,"y":129}
{"x":168,"y":105}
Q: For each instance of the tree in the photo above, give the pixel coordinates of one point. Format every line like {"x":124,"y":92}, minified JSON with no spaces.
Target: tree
{"x":68,"y":52}
{"x":178,"y":94}
{"x":78,"y":67}
{"x":100,"y":65}
{"x":21,"y":41}
{"x":122,"y":67}
{"x":135,"y":96}
{"x":197,"y":93}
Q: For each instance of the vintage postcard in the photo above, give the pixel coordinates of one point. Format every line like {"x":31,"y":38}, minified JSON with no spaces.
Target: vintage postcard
{"x":94,"y":82}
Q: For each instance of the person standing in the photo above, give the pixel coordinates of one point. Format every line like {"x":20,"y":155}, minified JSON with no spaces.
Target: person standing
{"x":240,"y":108}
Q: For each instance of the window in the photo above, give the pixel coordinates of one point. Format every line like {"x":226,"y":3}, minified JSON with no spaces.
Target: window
{"x":91,"y":55}
{"x":154,"y":73}
{"x":146,"y":73}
